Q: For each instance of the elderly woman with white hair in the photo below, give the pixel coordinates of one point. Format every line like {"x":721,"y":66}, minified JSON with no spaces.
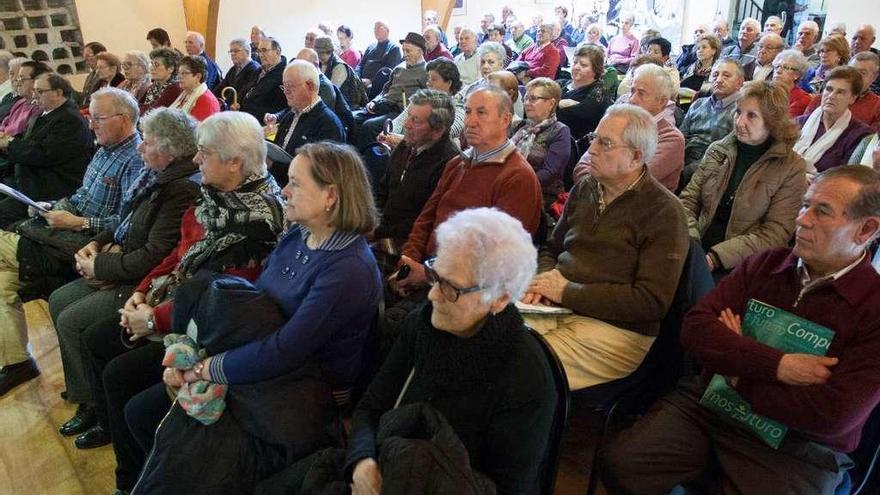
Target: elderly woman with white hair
{"x":232,"y":230}
{"x":788,"y":69}
{"x":623,"y":48}
{"x":491,"y":55}
{"x":136,"y":68}
{"x":614,"y":258}
{"x":468,"y":355}
{"x":114,"y":261}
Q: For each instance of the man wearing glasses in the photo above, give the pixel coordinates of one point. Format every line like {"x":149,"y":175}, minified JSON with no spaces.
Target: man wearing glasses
{"x":242,"y":75}
{"x":614,"y":258}
{"x":39,"y":257}
{"x":46,"y":158}
{"x":26,"y":107}
{"x":266,"y":96}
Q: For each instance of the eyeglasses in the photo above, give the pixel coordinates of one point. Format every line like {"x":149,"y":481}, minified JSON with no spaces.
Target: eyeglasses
{"x":289,"y":86}
{"x":100,"y":119}
{"x":534,"y":98}
{"x":266,"y":50}
{"x":449,"y":291}
{"x":235,"y":50}
{"x":184,"y":73}
{"x":202,"y":150}
{"x":606,"y":144}
{"x":786,"y":67}
{"x":23,"y":79}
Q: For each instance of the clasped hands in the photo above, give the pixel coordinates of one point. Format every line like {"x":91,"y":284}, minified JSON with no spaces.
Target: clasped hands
{"x":546,"y":288}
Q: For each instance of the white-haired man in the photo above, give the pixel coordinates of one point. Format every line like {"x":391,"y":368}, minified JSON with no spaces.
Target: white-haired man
{"x":467,"y":60}
{"x":651,"y":90}
{"x":745,"y":48}
{"x":614,"y":258}
{"x":862,"y":41}
{"x":807,"y":35}
{"x":195,"y":45}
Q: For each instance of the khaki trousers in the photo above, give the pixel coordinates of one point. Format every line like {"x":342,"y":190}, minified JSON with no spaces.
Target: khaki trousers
{"x":13,"y":328}
{"x":591,"y":350}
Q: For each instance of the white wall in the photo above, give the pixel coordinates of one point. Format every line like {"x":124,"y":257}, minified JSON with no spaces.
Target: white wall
{"x":287,"y":20}
{"x":854,"y":13}
{"x":122,"y":25}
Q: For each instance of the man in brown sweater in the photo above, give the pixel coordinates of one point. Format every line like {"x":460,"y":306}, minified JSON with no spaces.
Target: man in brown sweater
{"x":492,"y":173}
{"x":614,"y":258}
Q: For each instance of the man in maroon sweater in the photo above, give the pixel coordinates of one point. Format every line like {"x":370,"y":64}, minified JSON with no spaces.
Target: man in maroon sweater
{"x":490,"y":173}
{"x":823,"y":400}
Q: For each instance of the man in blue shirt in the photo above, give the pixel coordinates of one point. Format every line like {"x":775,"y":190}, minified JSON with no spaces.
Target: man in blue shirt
{"x":46,"y":246}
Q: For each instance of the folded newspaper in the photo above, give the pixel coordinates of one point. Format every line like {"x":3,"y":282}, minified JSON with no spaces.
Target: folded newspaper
{"x":778,"y":329}
{"x":21,"y":197}
{"x":541,"y":309}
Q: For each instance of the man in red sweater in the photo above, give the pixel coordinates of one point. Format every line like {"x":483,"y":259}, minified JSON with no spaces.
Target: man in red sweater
{"x":492,"y":173}
{"x":827,"y":278}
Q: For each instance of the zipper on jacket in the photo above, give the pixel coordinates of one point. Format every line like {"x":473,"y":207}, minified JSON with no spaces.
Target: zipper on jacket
{"x":152,"y":449}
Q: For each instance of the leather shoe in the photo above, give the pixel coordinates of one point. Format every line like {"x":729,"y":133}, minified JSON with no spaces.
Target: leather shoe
{"x":94,"y":437}
{"x":15,"y":374}
{"x":80,"y":422}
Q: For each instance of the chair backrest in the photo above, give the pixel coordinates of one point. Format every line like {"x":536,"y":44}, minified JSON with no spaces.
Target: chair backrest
{"x":664,"y":363}
{"x":573,"y":158}
{"x":550,"y":463}
{"x":866,"y":456}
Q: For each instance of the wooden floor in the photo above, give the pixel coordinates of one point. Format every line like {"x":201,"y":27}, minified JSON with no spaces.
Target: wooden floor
{"x":35,"y":459}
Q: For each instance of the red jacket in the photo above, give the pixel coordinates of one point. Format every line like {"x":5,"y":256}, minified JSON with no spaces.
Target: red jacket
{"x":832,"y":414}
{"x":543,"y":62}
{"x":191,"y":231}
{"x":506,"y":182}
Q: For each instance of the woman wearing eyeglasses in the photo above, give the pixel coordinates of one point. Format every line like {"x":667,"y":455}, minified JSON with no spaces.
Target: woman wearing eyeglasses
{"x":543,"y":140}
{"x":195,"y":99}
{"x":137,"y":75}
{"x":163,"y":72}
{"x":468,"y":355}
{"x":788,"y":68}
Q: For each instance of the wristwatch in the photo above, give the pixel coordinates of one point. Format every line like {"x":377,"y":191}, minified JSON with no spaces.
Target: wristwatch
{"x":87,"y":224}
{"x":197,"y":369}
{"x":151,"y":323}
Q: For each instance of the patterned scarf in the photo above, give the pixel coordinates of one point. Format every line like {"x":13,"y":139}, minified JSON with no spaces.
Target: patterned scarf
{"x":525,"y":136}
{"x":155,"y":91}
{"x":253,"y":212}
{"x":143,"y":184}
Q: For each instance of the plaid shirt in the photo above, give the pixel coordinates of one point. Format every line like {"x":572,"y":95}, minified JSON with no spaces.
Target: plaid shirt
{"x":107,"y":183}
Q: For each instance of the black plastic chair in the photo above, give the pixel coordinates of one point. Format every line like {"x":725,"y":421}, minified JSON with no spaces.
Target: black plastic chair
{"x":662,"y":367}
{"x":550,"y":463}
{"x":866,"y":457}
{"x":573,"y":158}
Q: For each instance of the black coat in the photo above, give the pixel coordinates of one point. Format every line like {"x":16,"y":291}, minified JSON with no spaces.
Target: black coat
{"x":318,"y":124}
{"x":242,"y":80}
{"x":265,"y":96}
{"x":495,"y":389}
{"x":51,"y":159}
{"x":154,"y":228}
{"x":378,"y":56}
{"x":406,"y":187}
{"x":593,"y":99}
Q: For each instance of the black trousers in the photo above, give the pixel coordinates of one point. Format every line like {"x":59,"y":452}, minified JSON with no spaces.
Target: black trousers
{"x":11,"y":211}
{"x":678,"y":440}
{"x":117,"y":373}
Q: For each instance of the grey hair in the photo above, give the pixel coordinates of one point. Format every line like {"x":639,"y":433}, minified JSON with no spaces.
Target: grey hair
{"x":492,"y":47}
{"x":811,"y":25}
{"x":866,"y":57}
{"x":122,"y":101}
{"x":236,"y":135}
{"x":174,"y":131}
{"x":5,"y":58}
{"x":505,"y":104}
{"x":142,"y":58}
{"x":795,"y":58}
{"x":200,"y":38}
{"x":640,"y":131}
{"x":751,"y":20}
{"x":15,"y":63}
{"x":661,"y":79}
{"x":730,"y":60}
{"x":867,"y":27}
{"x":502,"y":256}
{"x":306,"y":71}
{"x":442,"y":108}
{"x":466,"y":29}
{"x":242,"y":43}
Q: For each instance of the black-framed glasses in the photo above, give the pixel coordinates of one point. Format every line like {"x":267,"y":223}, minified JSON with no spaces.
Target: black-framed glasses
{"x":449,"y":291}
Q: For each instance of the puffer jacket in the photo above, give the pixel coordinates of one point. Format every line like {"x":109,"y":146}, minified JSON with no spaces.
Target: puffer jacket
{"x":766,"y":203}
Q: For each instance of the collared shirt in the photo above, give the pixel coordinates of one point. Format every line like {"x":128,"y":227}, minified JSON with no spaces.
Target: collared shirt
{"x":497,"y":155}
{"x":296,"y":116}
{"x":601,"y":188}
{"x":337,"y":241}
{"x":724,"y":102}
{"x":107,"y":183}
{"x":808,"y":284}
{"x":762,"y":72}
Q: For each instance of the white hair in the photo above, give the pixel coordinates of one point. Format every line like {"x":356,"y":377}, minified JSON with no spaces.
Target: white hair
{"x":794,"y":58}
{"x":640,"y":131}
{"x":751,"y":20}
{"x":869,"y":28}
{"x":492,"y":47}
{"x":660,"y":78}
{"x":236,"y":135}
{"x":199,"y":37}
{"x":811,"y":25}
{"x":500,"y":250}
{"x":242,"y":43}
{"x":305,"y":71}
{"x":122,"y":101}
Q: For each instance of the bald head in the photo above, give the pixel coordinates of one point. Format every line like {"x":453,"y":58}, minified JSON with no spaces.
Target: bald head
{"x":308,"y":55}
